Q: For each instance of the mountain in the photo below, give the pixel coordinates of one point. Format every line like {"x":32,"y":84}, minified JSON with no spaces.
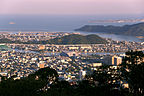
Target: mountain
{"x":134,"y":30}
{"x":78,"y":39}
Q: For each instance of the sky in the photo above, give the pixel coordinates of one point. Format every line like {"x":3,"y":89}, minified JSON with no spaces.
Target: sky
{"x":72,"y":7}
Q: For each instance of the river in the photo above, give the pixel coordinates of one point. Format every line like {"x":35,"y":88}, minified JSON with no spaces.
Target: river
{"x":114,"y":36}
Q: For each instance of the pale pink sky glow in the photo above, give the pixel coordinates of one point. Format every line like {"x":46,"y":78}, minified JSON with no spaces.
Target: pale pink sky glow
{"x":72,"y":7}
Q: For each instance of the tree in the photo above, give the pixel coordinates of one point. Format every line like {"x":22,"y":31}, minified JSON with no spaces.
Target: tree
{"x":47,"y":74}
{"x":33,"y":85}
{"x":106,"y":80}
{"x":132,"y":69}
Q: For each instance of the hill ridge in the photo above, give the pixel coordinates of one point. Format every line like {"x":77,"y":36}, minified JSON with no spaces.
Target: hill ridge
{"x":134,"y":29}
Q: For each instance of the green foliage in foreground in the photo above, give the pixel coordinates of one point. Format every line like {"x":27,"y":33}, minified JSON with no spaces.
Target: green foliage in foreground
{"x":105,"y":81}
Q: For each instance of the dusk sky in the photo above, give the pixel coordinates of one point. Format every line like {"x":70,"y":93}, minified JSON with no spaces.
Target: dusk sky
{"x":74,"y":7}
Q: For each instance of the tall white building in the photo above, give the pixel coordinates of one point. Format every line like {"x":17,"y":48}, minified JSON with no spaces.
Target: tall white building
{"x":82,"y":74}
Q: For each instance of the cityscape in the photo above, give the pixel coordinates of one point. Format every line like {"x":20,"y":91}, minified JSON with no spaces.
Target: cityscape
{"x":72,"y":62}
{"x":71,"y":48}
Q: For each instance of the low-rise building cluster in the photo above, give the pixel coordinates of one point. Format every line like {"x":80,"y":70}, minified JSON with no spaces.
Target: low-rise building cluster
{"x":32,"y":36}
{"x":69,"y":66}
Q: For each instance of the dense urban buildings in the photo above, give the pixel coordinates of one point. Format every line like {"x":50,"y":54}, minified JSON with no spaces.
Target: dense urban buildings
{"x":72,"y":62}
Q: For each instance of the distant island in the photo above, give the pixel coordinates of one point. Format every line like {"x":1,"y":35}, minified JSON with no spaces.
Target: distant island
{"x":133,"y":30}
{"x":68,"y":39}
{"x":117,"y":21}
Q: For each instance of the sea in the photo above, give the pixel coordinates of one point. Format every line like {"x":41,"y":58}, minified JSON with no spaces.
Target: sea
{"x":61,"y":23}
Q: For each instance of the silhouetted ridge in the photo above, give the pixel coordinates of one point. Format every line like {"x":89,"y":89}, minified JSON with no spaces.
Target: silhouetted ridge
{"x":79,"y":39}
{"x":134,"y":30}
